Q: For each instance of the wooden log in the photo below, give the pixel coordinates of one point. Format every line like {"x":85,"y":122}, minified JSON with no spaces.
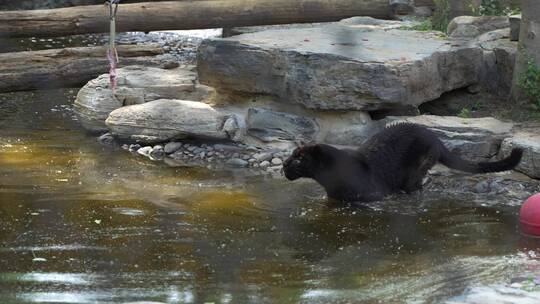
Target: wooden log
{"x":184,"y":15}
{"x":69,"y":67}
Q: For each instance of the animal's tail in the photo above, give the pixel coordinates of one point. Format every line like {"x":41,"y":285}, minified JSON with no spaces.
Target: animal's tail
{"x":455,"y":162}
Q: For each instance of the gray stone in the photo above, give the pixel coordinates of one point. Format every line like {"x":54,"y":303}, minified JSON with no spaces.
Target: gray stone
{"x":268,"y":125}
{"x":340,"y":66}
{"x":134,"y":147}
{"x":237,"y":162}
{"x":157,"y":152}
{"x":235,"y":127}
{"x":515,"y":26}
{"x":164,"y":120}
{"x":136,"y":85}
{"x":476,"y":139}
{"x":260,"y":157}
{"x":172,"y":147}
{"x":498,"y":65}
{"x":494,"y":35}
{"x":473,"y":26}
{"x":530,"y":143}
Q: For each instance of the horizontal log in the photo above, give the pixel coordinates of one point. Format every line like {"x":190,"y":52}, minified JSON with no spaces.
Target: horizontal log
{"x":184,"y":15}
{"x":69,"y":67}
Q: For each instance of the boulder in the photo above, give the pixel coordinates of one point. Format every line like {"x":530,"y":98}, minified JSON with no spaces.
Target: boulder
{"x":268,"y":125}
{"x":136,"y":85}
{"x":345,"y":66}
{"x":165,"y":120}
{"x":530,"y":143}
{"x":499,"y":62}
{"x":476,"y":139}
{"x":473,"y":26}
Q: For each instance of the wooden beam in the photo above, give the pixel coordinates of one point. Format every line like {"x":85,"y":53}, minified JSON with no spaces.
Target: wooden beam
{"x":69,"y":67}
{"x":184,"y":15}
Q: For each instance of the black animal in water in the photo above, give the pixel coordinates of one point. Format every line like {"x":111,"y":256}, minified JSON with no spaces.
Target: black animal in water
{"x":393,"y":161}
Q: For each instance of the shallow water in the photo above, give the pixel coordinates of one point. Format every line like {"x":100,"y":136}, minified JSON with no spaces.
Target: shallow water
{"x":84,"y":223}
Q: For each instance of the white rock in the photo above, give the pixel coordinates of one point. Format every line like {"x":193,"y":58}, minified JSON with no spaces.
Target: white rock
{"x":277,"y":161}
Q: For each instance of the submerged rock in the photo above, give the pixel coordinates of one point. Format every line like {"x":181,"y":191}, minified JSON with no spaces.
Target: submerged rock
{"x":136,"y":85}
{"x":345,"y":66}
{"x":475,"y":139}
{"x":165,"y":119}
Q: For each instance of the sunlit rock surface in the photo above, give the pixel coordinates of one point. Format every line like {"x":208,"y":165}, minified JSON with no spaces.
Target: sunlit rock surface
{"x":345,"y":66}
{"x":136,"y":85}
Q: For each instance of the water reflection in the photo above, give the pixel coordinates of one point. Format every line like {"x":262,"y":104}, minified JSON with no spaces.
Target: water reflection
{"x":85,"y":223}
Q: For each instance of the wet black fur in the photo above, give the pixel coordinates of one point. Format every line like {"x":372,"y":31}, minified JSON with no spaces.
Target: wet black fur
{"x":393,"y":161}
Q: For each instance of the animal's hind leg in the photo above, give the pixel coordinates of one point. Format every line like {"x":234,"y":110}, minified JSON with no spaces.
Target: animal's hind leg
{"x":415,"y":179}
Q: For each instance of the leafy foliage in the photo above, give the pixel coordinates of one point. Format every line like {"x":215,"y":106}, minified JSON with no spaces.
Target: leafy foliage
{"x":529,"y":81}
{"x":497,"y":8}
{"x":423,"y":26}
{"x":465,"y":113}
{"x":441,"y":15}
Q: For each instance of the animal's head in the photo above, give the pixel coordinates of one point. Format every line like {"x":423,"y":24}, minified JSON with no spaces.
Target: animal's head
{"x":306,"y":161}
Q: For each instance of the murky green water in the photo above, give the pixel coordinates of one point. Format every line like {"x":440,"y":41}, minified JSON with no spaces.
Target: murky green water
{"x":85,"y":223}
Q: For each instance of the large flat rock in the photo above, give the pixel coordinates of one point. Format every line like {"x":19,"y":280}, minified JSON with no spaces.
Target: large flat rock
{"x":475,"y":139}
{"x":350,"y":65}
{"x":136,"y":85}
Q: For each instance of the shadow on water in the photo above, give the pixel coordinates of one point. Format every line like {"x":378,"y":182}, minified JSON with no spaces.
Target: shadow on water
{"x":85,"y":223}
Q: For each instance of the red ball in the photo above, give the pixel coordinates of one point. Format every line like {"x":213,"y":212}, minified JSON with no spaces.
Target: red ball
{"x":529,"y":216}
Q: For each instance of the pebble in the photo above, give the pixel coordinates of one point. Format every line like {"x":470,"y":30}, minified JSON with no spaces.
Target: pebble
{"x":265,"y":164}
{"x":277,"y":161}
{"x":107,"y":139}
{"x":252,"y":160}
{"x":264,"y":156}
{"x":172,"y":147}
{"x":157,"y":152}
{"x":145,"y":151}
{"x":134,"y":147}
{"x":237,"y":162}
{"x":191,"y":148}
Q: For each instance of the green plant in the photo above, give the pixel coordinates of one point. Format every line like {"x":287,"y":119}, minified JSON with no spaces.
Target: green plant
{"x":477,"y":105}
{"x":497,"y":8}
{"x":529,"y":81}
{"x":441,"y":15}
{"x":423,"y":26}
{"x":464,"y":113}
